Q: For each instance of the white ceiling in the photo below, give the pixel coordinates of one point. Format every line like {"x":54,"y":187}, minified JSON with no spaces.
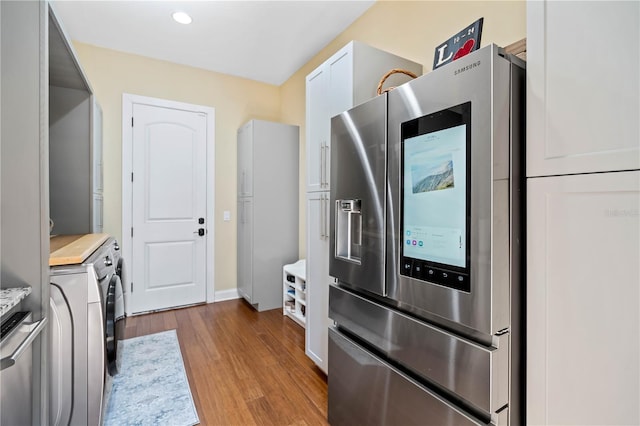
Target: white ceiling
{"x":266,"y":41}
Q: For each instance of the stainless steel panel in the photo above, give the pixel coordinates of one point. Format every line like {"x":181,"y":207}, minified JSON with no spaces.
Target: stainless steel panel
{"x":358,"y":168}
{"x":16,"y":389}
{"x":364,"y":390}
{"x":476,"y":373}
{"x":482,"y":77}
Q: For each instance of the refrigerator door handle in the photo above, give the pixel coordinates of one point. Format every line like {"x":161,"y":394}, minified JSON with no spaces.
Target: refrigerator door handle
{"x":35,"y":329}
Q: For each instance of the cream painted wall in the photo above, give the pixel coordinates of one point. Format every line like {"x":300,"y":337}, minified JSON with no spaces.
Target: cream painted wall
{"x":407,"y":28}
{"x":235,"y":100}
{"x":411,"y":29}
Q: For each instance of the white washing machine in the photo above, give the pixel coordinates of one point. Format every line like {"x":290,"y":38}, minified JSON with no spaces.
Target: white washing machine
{"x":77,"y":345}
{"x":88,"y":323}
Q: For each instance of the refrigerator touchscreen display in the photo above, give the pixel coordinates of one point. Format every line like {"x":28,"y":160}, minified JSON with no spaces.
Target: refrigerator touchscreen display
{"x":436,"y":198}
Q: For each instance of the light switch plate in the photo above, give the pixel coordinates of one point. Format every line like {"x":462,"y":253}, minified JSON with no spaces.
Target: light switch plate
{"x":227,"y":215}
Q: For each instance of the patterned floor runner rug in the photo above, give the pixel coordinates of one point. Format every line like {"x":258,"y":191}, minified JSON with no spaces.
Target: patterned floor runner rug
{"x":152,"y":387}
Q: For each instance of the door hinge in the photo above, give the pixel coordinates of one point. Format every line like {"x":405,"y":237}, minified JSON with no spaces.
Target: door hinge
{"x":131,"y":286}
{"x":131,"y":176}
{"x":131,"y":121}
{"x":132,"y":231}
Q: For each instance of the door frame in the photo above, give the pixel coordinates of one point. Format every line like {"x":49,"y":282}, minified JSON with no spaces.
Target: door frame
{"x":128,"y":100}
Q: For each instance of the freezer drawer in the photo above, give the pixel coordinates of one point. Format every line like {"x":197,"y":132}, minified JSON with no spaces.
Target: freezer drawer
{"x":473,"y":372}
{"x":363,"y":389}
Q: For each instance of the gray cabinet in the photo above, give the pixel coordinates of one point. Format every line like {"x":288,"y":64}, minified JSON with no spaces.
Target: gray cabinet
{"x":245,"y":248}
{"x":35,"y":55}
{"x":267,"y":234}
{"x":75,"y":141}
{"x":245,"y":161}
{"x":75,"y":161}
{"x":24,"y":193}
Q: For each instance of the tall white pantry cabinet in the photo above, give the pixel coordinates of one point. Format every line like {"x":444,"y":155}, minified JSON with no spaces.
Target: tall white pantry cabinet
{"x":348,"y":78}
{"x":583,"y":213}
{"x":267,"y":209}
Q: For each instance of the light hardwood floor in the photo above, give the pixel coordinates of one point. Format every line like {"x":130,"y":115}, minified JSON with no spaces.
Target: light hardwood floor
{"x":244,"y":367}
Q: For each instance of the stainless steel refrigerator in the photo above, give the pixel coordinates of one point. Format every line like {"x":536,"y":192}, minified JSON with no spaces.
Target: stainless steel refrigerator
{"x":425,"y":247}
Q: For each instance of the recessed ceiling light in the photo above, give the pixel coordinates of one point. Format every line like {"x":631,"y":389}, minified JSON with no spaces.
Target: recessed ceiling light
{"x":182,"y":17}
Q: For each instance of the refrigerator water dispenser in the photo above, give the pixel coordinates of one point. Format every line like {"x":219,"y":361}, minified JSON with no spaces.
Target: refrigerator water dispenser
{"x":349,"y":230}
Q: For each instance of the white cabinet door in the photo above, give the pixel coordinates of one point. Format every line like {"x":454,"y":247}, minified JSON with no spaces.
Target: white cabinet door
{"x":245,"y":249}
{"x":583,"y":90}
{"x":340,"y":81}
{"x":318,"y":126}
{"x":245,"y":160}
{"x":329,"y":92}
{"x":316,"y":333}
{"x":583,"y":323}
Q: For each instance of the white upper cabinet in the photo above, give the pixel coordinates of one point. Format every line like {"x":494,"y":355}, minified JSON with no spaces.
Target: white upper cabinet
{"x":582,"y":87}
{"x":346,"y":79}
{"x":317,"y":128}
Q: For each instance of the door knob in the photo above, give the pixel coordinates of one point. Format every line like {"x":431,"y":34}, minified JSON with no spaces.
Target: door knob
{"x":200,"y":232}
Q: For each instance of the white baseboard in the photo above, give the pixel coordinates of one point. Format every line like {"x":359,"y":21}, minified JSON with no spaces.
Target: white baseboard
{"x":230,"y":294}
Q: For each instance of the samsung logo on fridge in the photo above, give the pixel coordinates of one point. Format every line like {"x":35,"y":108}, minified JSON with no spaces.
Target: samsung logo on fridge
{"x":467,"y":68}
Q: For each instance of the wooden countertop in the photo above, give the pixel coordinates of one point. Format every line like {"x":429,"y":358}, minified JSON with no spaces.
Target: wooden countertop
{"x":73,"y":249}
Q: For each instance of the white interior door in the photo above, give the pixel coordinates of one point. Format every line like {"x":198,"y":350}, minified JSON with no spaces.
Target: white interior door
{"x":169,"y":200}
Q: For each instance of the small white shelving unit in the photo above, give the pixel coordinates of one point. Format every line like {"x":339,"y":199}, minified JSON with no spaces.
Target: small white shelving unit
{"x":294,"y":291}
